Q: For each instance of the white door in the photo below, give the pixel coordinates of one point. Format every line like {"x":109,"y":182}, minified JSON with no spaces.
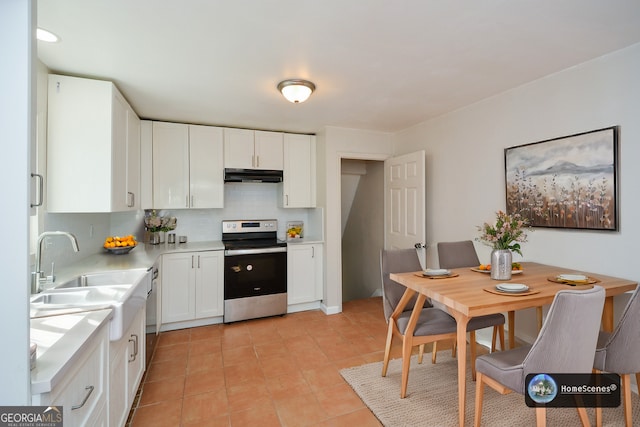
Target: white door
{"x":404,"y":183}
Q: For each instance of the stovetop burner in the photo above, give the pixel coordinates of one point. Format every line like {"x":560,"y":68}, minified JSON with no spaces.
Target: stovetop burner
{"x":250,"y":234}
{"x":253,"y":243}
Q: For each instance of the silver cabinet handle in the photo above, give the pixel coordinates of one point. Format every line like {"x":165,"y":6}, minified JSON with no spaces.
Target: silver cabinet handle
{"x":287,"y":196}
{"x":198,"y":261}
{"x":192,"y":259}
{"x":186,"y":198}
{"x":132,"y":199}
{"x":134,"y":340}
{"x":257,"y":161}
{"x":40,"y":190}
{"x":132,"y":356}
{"x":86,"y":397}
{"x":313,"y":251}
{"x":192,"y":205}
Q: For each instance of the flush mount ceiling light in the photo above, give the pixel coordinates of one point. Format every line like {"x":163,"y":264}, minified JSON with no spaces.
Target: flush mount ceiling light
{"x":46,"y":36}
{"x":296,"y":90}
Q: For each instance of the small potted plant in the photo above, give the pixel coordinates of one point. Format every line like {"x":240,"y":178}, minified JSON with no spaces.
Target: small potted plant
{"x":504,"y":236}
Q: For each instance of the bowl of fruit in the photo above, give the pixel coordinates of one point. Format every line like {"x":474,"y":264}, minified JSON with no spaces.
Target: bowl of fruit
{"x":120,"y":245}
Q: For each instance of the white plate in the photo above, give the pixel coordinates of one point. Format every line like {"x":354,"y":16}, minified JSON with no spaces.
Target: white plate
{"x":573,"y":277}
{"x":512,"y":287}
{"x":436,"y":272}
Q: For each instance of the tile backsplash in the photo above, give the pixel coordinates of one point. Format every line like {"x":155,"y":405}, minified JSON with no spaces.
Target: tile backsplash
{"x":241,"y":200}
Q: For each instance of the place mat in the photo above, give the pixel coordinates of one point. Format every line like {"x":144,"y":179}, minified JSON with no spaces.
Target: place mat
{"x":493,"y":290}
{"x":589,"y":281}
{"x":442,"y":276}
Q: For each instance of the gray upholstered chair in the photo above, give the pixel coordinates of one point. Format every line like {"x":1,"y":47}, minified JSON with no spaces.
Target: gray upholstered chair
{"x":457,"y":254}
{"x":463,"y":254}
{"x":566,"y":344}
{"x":619,"y":352}
{"x":432,"y":325}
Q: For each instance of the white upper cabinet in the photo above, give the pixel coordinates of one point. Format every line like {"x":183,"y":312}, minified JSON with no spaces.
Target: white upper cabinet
{"x":249,"y":149}
{"x":93,"y":147}
{"x":299,"y":174}
{"x":187,"y":166}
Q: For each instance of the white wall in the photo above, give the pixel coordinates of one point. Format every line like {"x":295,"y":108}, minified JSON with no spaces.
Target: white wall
{"x":335,"y":144}
{"x":17,"y":127}
{"x":465,"y":162}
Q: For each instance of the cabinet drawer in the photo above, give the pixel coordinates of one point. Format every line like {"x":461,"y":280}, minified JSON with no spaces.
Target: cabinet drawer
{"x":82,"y":394}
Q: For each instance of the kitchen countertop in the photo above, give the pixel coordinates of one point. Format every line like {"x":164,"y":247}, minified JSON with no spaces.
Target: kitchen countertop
{"x":61,"y":341}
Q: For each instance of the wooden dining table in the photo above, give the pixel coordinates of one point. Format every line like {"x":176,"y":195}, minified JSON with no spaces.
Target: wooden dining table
{"x":470,"y":293}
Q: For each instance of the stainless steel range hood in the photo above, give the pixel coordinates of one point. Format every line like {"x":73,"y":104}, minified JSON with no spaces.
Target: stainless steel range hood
{"x":252,"y":175}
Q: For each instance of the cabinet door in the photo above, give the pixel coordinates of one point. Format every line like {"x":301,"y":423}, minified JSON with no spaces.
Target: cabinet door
{"x":118,"y":389}
{"x":79,"y":160}
{"x":132,"y":195}
{"x":298,"y":182}
{"x":170,"y":165}
{"x":238,"y":149}
{"x":206,"y":167}
{"x":209,"y":284}
{"x":119,"y":153}
{"x":304,"y":264}
{"x":135,"y":355}
{"x":178,"y":287}
{"x":268,"y":150}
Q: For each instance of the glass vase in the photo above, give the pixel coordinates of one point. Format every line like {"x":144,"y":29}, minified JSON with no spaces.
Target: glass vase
{"x":501,"y":260}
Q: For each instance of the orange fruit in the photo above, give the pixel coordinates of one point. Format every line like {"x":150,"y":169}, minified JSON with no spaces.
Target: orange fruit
{"x":488,"y":266}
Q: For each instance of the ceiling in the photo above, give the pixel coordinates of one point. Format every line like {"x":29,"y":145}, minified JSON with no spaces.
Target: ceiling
{"x":382,"y":65}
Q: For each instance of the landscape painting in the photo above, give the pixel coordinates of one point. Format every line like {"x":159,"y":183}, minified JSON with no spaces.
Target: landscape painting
{"x":567,"y":182}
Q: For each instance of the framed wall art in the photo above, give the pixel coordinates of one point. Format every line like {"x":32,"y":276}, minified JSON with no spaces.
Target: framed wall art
{"x":566,"y":182}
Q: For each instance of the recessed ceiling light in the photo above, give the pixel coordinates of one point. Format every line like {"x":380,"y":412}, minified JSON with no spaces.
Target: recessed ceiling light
{"x":46,"y":36}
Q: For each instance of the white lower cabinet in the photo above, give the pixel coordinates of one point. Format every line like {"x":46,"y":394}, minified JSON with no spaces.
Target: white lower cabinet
{"x":126,"y":368}
{"x":304,"y":273}
{"x":192,"y":286}
{"x":83,"y":391}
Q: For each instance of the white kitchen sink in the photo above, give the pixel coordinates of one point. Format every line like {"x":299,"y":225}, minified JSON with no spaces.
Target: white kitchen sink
{"x":104,"y":278}
{"x":100,"y":290}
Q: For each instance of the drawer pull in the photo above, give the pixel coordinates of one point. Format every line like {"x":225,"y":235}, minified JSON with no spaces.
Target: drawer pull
{"x":90,"y":388}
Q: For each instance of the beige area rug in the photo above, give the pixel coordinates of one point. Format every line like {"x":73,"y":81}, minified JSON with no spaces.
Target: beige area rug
{"x":432,"y":398}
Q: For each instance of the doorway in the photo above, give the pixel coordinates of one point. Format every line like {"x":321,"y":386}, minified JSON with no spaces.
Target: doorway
{"x":362,"y":204}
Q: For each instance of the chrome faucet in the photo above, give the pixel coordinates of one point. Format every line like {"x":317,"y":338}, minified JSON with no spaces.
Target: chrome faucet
{"x":37,"y":277}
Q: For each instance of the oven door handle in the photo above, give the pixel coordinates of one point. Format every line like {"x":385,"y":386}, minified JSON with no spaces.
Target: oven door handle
{"x":232,"y":252}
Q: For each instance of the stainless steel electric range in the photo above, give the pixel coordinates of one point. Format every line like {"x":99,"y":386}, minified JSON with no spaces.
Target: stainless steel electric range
{"x":255,"y":276}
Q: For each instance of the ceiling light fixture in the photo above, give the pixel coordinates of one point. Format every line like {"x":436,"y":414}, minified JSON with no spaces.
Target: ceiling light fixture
{"x":296,"y":90}
{"x":46,"y":36}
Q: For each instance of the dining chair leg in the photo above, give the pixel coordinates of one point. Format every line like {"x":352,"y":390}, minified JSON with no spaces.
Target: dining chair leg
{"x":472,"y":353}
{"x":406,"y":362}
{"x":598,"y":416}
{"x":434,"y":351}
{"x":420,"y":353}
{"x":453,"y":348}
{"x":501,"y":334}
{"x":479,"y":398}
{"x":625,"y":381}
{"x":541,"y":416}
{"x":584,"y":418}
{"x":387,"y":348}
{"x":494,"y":338}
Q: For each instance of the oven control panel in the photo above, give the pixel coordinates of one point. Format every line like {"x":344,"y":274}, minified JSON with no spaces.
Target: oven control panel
{"x":249,"y":226}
